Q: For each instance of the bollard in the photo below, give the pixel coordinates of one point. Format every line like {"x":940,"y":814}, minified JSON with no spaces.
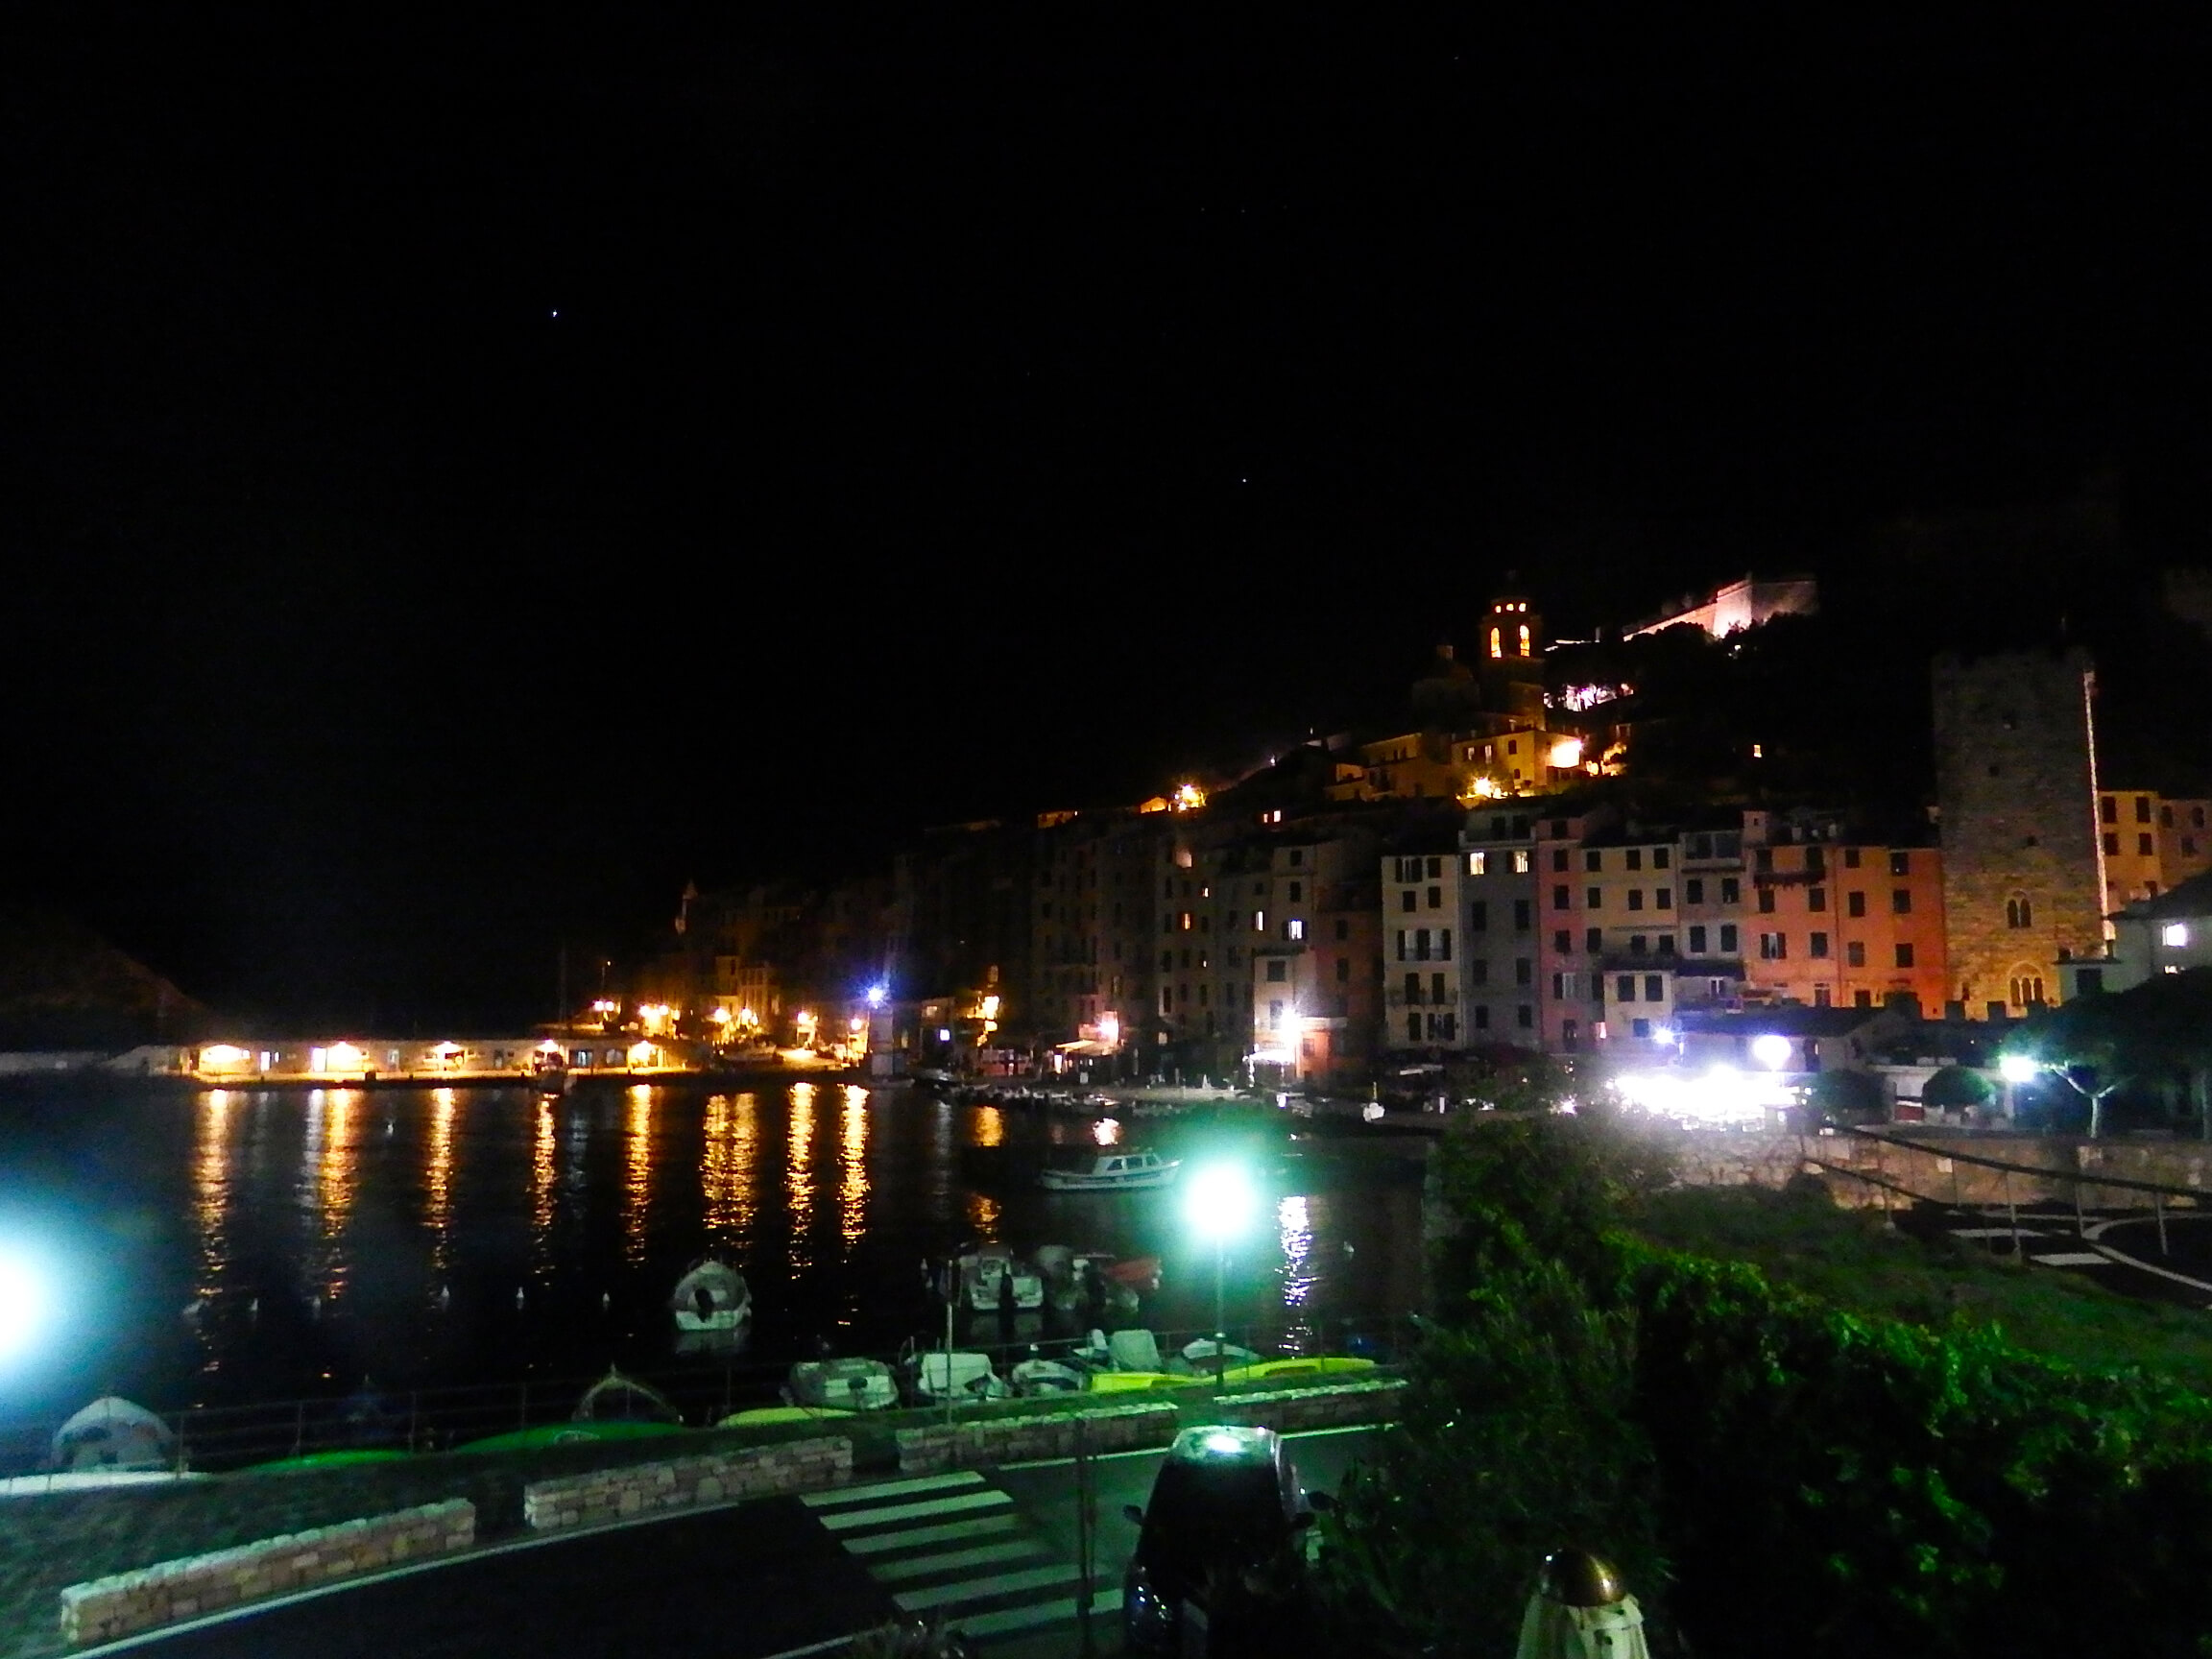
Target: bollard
{"x":1580,"y":1609}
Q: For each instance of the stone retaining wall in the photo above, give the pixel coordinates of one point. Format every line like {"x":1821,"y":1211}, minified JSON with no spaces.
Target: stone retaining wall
{"x":1022,"y":1439}
{"x":162,"y":1594}
{"x":1285,"y":1410}
{"x":1924,"y":1162}
{"x":714,"y":1478}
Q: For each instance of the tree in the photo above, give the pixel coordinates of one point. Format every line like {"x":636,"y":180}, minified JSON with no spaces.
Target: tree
{"x":1956,"y":1087}
{"x":2156,"y":1033}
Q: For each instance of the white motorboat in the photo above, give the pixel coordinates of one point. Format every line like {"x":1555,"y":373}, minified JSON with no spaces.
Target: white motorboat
{"x":711,"y":1296}
{"x":113,"y":1434}
{"x":1113,"y":1173}
{"x":994,"y":1278}
{"x":842,"y":1385}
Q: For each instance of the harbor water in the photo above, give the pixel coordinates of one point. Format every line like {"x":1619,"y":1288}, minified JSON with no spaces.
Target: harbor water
{"x":230,"y":1247}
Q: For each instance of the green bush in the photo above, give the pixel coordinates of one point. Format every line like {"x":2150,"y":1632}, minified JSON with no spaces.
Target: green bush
{"x":1770,"y":1469}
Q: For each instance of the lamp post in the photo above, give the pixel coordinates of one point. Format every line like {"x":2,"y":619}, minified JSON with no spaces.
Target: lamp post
{"x":1218,"y":1201}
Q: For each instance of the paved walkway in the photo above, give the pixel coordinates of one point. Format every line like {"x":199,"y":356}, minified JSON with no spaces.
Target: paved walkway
{"x":993,"y":1553}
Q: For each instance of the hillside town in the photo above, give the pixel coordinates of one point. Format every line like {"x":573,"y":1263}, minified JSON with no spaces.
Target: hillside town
{"x":1502,"y":872}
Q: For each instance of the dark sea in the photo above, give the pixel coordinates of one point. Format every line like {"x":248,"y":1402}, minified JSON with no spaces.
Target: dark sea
{"x":238,"y":1246}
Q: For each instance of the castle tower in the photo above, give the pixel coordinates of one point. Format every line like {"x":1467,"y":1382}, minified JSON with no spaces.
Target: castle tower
{"x":2016,"y":793}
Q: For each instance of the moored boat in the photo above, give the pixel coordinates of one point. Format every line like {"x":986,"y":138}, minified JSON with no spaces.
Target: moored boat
{"x":1113,"y":1172}
{"x":842,"y":1385}
{"x":619,"y":1399}
{"x":995,"y":1278}
{"x":113,"y":1434}
{"x":711,"y":1296}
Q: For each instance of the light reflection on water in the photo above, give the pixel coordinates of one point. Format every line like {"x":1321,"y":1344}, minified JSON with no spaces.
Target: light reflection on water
{"x":416,"y":1214}
{"x":852,"y":1182}
{"x":799,"y":1173}
{"x":438,"y":1178}
{"x":638,"y":1188}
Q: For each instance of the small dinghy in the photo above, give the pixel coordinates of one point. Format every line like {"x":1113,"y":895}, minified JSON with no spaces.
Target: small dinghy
{"x":711,"y":1296}
{"x":1037,"y":1375}
{"x":113,"y":1434}
{"x":619,"y":1399}
{"x":934,"y":1376}
{"x":842,"y":1385}
{"x":1113,"y":1172}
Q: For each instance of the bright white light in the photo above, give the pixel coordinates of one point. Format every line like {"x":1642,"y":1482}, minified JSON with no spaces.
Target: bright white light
{"x":1567,"y":752}
{"x":22,"y":1305}
{"x":878,"y":996}
{"x":1662,"y":1033}
{"x":1771,"y":1052}
{"x":222,"y":1054}
{"x":944,"y":1033}
{"x":1110,"y":1029}
{"x":2173,"y":935}
{"x":1223,"y":1442}
{"x":1218,"y":1201}
{"x":2017,"y":1068}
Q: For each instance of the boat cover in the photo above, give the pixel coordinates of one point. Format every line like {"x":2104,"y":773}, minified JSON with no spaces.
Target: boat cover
{"x":113,"y":1434}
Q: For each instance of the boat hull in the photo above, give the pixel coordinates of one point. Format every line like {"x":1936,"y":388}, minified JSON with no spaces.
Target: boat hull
{"x":1082,"y":1181}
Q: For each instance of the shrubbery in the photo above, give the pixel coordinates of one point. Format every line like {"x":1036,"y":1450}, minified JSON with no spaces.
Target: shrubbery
{"x":1769,"y":1470}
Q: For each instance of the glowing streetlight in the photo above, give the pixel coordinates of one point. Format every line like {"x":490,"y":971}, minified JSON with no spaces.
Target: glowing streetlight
{"x":2018,"y":1067}
{"x":1772,"y":1052}
{"x":878,"y":994}
{"x":1220,"y":1203}
{"x":22,"y":1305}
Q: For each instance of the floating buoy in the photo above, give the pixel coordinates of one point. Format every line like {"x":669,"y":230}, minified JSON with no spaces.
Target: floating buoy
{"x":517,"y":1295}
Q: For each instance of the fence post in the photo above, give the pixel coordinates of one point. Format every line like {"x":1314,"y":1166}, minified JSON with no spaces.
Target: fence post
{"x":2158,"y":1208}
{"x":2080,"y":1226}
{"x":2012,"y":1210}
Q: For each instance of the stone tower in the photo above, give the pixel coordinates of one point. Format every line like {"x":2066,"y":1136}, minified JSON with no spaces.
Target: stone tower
{"x":1512,"y":656}
{"x":2016,"y":794}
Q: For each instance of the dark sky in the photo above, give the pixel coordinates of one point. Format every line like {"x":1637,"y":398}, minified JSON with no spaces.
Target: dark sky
{"x":460,"y":481}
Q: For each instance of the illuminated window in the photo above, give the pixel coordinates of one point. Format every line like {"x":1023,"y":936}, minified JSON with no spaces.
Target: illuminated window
{"x":1259,"y":921}
{"x":2173,"y":935}
{"x":1495,"y":649}
{"x":1521,"y":861}
{"x":1477,"y":863}
{"x":1524,"y":638}
{"x":1295,"y":928}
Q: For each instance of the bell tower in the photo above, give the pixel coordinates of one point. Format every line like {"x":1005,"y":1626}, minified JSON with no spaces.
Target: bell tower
{"x":1511,"y":651}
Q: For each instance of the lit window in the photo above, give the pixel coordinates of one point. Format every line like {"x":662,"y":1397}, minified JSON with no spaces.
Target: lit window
{"x":2173,"y":935}
{"x":1496,"y":650}
{"x":1521,"y":861}
{"x":1259,"y":921}
{"x":1524,"y":638}
{"x":1477,"y":863}
{"x":1295,"y":928}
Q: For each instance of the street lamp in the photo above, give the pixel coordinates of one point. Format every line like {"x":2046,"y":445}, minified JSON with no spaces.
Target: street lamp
{"x":1218,"y":1202}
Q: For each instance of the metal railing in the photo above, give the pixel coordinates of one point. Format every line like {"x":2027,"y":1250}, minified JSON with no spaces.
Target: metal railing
{"x":215,"y":1438}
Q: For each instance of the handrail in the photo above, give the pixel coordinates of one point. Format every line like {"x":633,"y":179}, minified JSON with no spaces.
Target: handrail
{"x":2077,"y":1174}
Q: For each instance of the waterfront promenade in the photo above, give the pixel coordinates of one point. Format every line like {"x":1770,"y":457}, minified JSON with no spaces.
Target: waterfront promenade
{"x":994,"y":1551}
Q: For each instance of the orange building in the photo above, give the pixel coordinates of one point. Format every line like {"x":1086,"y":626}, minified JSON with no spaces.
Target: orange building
{"x":1843,"y":924}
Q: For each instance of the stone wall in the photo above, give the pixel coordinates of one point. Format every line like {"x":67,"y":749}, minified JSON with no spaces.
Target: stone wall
{"x":1285,"y":1410}
{"x":714,"y":1478}
{"x":1876,"y":1173}
{"x":925,"y":1451}
{"x":169,"y":1591}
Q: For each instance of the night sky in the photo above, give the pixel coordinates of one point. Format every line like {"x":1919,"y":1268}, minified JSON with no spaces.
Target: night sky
{"x":460,"y":482}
